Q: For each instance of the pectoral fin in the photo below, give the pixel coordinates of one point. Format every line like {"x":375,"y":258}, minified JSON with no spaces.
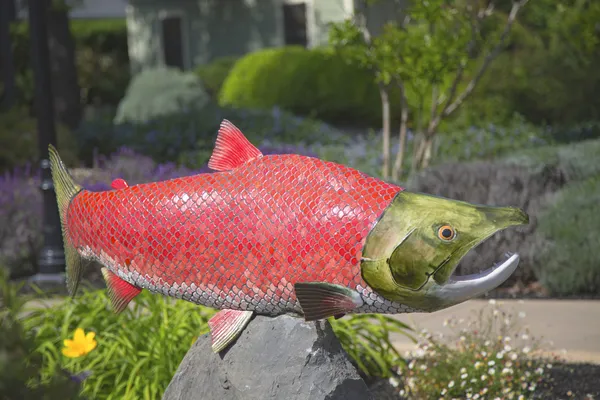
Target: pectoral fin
{"x":226,"y":325}
{"x":321,"y":300}
{"x":120,"y":292}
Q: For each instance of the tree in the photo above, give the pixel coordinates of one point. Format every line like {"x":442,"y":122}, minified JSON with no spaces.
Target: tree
{"x":353,"y":38}
{"x":434,"y":54}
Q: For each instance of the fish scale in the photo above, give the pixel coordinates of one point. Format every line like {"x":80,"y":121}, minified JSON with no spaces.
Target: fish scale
{"x":236,"y":239}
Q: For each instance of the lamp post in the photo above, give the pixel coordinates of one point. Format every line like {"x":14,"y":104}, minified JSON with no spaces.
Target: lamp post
{"x":7,"y":98}
{"x":51,"y":258}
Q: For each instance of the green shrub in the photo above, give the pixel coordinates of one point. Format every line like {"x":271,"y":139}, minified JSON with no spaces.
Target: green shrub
{"x":576,"y":132}
{"x":138,"y":351}
{"x":158,"y":92}
{"x":549,"y":72}
{"x":577,"y":161}
{"x":101,"y":54}
{"x":214,"y":74}
{"x":305,"y":82}
{"x":20,"y":365}
{"x":19,"y":140}
{"x":366,"y":338}
{"x":567,"y":261}
{"x":489,"y":358}
{"x":102,"y":59}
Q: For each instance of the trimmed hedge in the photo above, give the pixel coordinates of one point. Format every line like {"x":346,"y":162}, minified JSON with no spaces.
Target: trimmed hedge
{"x":213,"y":74}
{"x":159,"y":92}
{"x":568,"y":260}
{"x":313,"y":82}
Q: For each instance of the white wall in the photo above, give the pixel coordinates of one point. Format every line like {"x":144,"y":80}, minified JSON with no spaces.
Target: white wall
{"x":100,"y":9}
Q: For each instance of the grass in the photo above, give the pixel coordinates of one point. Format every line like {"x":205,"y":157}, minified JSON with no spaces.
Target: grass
{"x":138,"y":351}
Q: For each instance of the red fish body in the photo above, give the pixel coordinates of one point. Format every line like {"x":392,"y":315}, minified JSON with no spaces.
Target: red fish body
{"x":277,"y":234}
{"x":241,"y":238}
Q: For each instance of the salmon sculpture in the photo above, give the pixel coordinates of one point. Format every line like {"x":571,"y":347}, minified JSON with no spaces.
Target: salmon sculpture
{"x":278,"y":234}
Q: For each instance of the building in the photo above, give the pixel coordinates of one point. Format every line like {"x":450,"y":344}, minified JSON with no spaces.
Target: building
{"x":92,"y":9}
{"x":81,"y":9}
{"x":187,"y":33}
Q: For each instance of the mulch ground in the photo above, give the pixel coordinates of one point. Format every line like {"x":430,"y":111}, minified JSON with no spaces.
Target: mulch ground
{"x":564,"y":382}
{"x":571,"y":381}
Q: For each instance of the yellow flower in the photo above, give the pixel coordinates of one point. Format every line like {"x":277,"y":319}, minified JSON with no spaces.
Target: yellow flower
{"x":80,"y":345}
{"x":194,"y":340}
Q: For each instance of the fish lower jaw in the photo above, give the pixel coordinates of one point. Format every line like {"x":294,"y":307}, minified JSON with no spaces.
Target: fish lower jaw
{"x":461,"y":288}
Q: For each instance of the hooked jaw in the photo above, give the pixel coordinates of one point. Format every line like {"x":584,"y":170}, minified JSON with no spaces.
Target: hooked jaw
{"x":411,"y":254}
{"x":461,"y":288}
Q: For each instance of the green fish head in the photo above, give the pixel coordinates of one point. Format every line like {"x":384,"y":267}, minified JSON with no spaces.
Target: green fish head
{"x":411,"y":253}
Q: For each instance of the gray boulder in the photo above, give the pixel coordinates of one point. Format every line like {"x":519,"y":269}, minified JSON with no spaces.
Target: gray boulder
{"x":274,"y":358}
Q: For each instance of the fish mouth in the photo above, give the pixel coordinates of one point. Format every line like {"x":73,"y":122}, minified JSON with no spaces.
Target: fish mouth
{"x":459,"y":288}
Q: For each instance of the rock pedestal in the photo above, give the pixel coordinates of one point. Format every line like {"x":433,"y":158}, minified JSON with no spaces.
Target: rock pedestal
{"x":274,"y":358}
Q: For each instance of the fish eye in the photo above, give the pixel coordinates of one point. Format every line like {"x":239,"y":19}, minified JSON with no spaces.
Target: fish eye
{"x":446,"y":232}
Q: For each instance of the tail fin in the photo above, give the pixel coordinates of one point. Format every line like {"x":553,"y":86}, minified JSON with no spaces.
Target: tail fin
{"x":66,"y":189}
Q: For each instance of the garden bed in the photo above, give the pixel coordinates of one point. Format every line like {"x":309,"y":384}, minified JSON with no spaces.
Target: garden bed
{"x":564,"y":381}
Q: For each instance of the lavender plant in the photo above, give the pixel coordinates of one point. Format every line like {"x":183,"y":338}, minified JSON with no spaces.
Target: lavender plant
{"x":20,"y":212}
{"x":490,"y":141}
{"x":475,"y":143}
{"x":188,"y":137}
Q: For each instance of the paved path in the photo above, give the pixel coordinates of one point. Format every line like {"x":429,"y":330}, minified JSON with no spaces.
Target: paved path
{"x":572,"y":325}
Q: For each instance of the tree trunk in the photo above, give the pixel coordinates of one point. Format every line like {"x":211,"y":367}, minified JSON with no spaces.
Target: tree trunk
{"x":397,"y":171}
{"x":64,"y":71}
{"x":385,"y":115}
{"x":427,"y":152}
{"x":418,"y":143}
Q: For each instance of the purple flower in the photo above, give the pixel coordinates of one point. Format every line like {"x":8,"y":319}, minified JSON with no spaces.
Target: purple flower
{"x":20,"y":212}
{"x":80,"y":377}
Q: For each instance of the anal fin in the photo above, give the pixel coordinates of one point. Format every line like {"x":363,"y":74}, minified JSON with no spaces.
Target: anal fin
{"x":226,"y":326}
{"x":320,"y":300}
{"x":120,"y":291}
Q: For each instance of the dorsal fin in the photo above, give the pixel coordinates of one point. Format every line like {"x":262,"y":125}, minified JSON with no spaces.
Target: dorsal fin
{"x":232,"y":149}
{"x":119,"y":184}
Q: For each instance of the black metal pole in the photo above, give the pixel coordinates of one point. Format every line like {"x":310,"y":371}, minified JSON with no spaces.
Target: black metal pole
{"x":52,"y":258}
{"x":7,"y":98}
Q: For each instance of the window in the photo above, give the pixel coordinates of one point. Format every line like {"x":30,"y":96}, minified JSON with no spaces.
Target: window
{"x":172,"y":41}
{"x":294,"y":23}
